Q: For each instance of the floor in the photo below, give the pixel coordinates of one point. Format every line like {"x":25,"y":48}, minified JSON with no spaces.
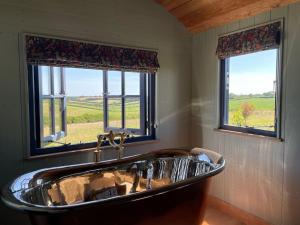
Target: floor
{"x":214,"y":216}
{"x":219,"y":212}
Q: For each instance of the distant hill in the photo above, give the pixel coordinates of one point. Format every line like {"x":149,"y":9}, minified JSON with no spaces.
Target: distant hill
{"x":270,"y":94}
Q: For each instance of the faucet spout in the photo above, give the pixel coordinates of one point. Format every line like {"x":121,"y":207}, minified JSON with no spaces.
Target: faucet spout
{"x":111,"y":137}
{"x":123,"y":136}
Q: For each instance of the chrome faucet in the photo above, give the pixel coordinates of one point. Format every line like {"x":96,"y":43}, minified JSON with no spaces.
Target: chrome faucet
{"x":111,"y":139}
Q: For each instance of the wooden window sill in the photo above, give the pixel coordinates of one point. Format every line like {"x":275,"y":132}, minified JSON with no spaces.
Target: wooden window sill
{"x":66,"y":153}
{"x":275,"y":139}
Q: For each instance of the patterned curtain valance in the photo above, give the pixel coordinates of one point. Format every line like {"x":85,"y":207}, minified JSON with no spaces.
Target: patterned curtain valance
{"x":257,"y":39}
{"x":58,"y":52}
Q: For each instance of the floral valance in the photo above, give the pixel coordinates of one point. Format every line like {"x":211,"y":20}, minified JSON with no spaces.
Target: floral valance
{"x":257,"y":39}
{"x":58,"y":52}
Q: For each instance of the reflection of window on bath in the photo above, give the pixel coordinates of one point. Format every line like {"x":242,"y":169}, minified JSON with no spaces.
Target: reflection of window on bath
{"x":78,"y":104}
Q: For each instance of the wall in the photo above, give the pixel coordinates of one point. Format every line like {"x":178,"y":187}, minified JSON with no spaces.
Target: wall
{"x":139,"y":23}
{"x":262,"y":175}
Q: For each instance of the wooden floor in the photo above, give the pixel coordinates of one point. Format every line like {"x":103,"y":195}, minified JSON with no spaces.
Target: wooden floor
{"x":214,"y":216}
{"x":219,"y":212}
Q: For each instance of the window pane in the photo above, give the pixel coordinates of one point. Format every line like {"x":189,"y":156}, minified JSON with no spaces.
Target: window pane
{"x":252,"y":88}
{"x":58,"y":114}
{"x":132,"y":83}
{"x":57,"y":80}
{"x":45,"y":73}
{"x":114,"y":82}
{"x":84,"y":88}
{"x":114,"y":112}
{"x":132,"y":113}
{"x":47,"y":117}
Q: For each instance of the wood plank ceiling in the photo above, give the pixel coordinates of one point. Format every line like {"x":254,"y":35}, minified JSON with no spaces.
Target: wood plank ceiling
{"x":200,"y":15}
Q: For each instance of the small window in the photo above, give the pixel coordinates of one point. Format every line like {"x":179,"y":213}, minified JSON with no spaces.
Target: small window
{"x":69,"y":107}
{"x":249,"y":96}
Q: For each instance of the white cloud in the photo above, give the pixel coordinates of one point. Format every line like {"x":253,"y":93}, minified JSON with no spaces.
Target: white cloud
{"x":251,"y":83}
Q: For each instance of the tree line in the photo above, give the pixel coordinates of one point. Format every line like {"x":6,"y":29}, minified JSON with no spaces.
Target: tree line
{"x":270,"y":94}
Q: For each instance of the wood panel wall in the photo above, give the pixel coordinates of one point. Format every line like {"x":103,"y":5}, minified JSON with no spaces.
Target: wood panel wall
{"x":262,"y":175}
{"x":137,"y":23}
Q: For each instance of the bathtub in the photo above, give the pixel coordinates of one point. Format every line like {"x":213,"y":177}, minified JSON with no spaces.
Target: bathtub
{"x":162,"y":187}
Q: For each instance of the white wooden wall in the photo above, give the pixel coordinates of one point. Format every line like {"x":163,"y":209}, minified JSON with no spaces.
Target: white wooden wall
{"x":138,"y":23}
{"x":262,"y":176}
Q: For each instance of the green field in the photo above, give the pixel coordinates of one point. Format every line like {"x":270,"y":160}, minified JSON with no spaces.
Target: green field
{"x":85,"y":117}
{"x":262,"y":116}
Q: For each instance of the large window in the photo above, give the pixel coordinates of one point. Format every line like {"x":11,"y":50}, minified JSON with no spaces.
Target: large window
{"x":249,"y":96}
{"x":69,"y":107}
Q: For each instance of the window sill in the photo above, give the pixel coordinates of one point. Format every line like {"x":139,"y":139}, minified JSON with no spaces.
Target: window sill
{"x":89,"y":150}
{"x":275,"y":139}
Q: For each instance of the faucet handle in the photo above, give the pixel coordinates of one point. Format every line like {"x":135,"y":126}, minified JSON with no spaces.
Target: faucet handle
{"x":111,"y":137}
{"x":100,"y":139}
{"x":122,"y":138}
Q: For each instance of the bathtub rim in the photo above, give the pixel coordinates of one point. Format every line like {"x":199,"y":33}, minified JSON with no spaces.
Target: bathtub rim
{"x":11,"y":201}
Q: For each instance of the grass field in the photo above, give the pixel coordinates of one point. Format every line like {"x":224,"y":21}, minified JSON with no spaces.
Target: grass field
{"x":263,"y":115}
{"x":85,"y":117}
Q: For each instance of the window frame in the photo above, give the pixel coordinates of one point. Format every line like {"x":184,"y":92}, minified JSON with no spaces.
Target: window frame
{"x":123,"y":97}
{"x":224,"y":72}
{"x":52,"y":96}
{"x":34,"y":90}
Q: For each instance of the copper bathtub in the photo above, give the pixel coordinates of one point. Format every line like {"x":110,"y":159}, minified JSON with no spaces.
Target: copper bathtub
{"x":162,"y":187}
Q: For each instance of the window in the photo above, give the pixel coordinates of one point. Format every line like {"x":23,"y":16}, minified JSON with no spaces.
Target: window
{"x":124,"y":100}
{"x":79,"y":89}
{"x":53,"y":104}
{"x":250,"y":79}
{"x":69,"y":107}
{"x":249,"y":96}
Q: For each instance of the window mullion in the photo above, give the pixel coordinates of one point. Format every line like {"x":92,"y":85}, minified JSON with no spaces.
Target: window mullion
{"x":151,"y":103}
{"x":226,"y":119}
{"x":40,"y":82}
{"x":37,"y":78}
{"x":143,"y":109}
{"x":64,"y":101}
{"x":123,"y":99}
{"x":52,"y":101}
{"x":105,"y":100}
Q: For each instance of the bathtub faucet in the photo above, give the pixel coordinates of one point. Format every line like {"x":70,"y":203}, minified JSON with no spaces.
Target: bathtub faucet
{"x":118,"y":146}
{"x":97,"y":152}
{"x":110,"y":136}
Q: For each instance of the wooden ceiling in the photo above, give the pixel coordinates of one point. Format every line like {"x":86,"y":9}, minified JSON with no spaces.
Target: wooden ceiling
{"x":200,"y":15}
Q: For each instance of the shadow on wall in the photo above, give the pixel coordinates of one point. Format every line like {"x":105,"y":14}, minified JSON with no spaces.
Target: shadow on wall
{"x":201,"y":119}
{"x":176,"y":114}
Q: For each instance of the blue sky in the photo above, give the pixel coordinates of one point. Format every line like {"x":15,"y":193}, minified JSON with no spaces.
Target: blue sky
{"x":253,"y":73}
{"x":87,"y":82}
{"x":249,"y":74}
{"x":83,"y":82}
